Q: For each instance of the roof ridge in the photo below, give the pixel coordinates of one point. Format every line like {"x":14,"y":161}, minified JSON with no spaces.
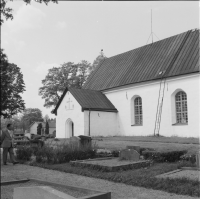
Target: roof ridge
{"x":151,"y":43}
{"x":83,"y":89}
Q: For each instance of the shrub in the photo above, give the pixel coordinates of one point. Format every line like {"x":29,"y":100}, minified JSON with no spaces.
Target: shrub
{"x":145,"y":149}
{"x":171,"y":156}
{"x":64,"y":153}
{"x":115,"y":153}
{"x":24,"y":153}
{"x":190,"y":158}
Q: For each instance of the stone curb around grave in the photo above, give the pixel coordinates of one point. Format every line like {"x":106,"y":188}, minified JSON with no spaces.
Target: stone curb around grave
{"x":168,"y":173}
{"x":190,"y":168}
{"x":133,"y":165}
{"x":95,"y":195}
{"x":14,"y":182}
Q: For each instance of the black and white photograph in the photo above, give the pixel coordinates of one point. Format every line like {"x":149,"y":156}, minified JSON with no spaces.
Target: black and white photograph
{"x":100,"y":99}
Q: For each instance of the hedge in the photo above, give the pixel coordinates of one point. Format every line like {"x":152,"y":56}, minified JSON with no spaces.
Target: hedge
{"x":171,"y":156}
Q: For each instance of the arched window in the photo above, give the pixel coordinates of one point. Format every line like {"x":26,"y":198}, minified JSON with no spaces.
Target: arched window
{"x":181,"y":108}
{"x":138,"y":110}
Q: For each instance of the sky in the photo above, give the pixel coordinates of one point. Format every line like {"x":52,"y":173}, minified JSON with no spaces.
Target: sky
{"x":41,"y":37}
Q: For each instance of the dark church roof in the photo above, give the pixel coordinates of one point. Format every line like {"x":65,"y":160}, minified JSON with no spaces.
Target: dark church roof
{"x":173,"y":56}
{"x":89,"y":100}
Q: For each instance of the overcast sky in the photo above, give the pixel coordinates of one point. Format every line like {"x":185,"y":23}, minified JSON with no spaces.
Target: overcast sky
{"x":40,"y":37}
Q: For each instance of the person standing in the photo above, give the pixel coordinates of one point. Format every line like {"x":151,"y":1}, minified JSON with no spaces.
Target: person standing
{"x":7,"y":144}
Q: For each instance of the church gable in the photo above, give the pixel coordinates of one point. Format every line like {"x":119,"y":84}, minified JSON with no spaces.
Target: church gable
{"x":68,"y":104}
{"x":87,"y":99}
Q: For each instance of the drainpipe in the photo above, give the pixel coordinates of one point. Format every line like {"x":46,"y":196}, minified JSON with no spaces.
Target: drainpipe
{"x":89,"y":122}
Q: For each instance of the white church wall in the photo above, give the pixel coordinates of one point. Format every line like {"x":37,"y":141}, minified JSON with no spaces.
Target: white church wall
{"x":101,"y":123}
{"x":190,"y":84}
{"x":66,"y":113}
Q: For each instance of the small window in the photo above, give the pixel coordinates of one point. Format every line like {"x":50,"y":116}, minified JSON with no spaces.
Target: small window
{"x":138,"y":110}
{"x":181,"y":108}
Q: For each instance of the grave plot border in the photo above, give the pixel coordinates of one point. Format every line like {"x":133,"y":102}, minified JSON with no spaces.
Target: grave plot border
{"x":96,"y":195}
{"x":190,"y":168}
{"x":131,"y":165}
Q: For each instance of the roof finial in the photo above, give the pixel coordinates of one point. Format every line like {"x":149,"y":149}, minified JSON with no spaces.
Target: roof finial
{"x":151,"y":26}
{"x":152,"y":33}
{"x":101,"y":52}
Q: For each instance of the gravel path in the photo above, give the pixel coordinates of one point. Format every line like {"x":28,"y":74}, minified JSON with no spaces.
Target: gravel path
{"x":119,"y":191}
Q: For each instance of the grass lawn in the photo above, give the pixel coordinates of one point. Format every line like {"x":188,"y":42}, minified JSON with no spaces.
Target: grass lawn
{"x":139,"y":177}
{"x":158,"y":143}
{"x":180,"y":140}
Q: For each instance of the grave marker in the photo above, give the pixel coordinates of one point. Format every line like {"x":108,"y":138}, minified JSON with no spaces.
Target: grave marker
{"x":75,"y":140}
{"x":129,"y":154}
{"x":137,"y":148}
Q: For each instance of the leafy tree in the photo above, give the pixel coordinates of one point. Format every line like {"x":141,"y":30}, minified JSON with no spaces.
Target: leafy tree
{"x":12,"y":85}
{"x":96,"y":62}
{"x":7,"y":12}
{"x":47,"y":128}
{"x":39,"y":129}
{"x":31,"y":115}
{"x":58,"y":78}
{"x":46,"y":117}
{"x":83,"y":72}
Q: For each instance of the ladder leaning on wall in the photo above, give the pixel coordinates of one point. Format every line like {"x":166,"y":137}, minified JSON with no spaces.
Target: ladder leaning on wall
{"x":163,"y":82}
{"x":159,"y":106}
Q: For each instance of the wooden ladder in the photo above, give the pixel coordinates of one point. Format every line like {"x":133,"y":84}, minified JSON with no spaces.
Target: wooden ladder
{"x":159,"y":106}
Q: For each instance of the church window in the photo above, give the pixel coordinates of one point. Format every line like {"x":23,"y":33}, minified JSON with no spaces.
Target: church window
{"x":181,"y":108}
{"x":138,"y":110}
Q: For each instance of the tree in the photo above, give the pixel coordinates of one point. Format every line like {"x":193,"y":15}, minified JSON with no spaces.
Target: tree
{"x":39,"y":129}
{"x":7,"y":12}
{"x":58,"y":78}
{"x":31,"y":115}
{"x":96,"y":62}
{"x":46,"y":117}
{"x":12,"y":85}
{"x":47,"y":128}
{"x":83,"y":72}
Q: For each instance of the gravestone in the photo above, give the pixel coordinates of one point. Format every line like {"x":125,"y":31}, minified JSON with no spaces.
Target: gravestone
{"x":75,"y":141}
{"x":39,"y":192}
{"x":85,"y":140}
{"x":129,"y":154}
{"x":137,"y":148}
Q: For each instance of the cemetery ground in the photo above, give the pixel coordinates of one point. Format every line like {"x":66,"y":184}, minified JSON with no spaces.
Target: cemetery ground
{"x":118,"y":190}
{"x":137,"y":183}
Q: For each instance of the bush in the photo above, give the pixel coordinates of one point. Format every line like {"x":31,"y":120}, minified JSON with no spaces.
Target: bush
{"x":145,"y":149}
{"x":24,"y":153}
{"x":171,"y":156}
{"x":115,"y":153}
{"x":64,"y":153}
{"x":190,"y":158}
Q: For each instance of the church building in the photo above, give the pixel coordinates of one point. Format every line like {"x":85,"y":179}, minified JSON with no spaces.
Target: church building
{"x":151,"y":90}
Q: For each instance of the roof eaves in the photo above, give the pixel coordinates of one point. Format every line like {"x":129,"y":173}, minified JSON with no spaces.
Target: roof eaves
{"x":99,"y":109}
{"x":59,"y":101}
{"x":154,"y":79}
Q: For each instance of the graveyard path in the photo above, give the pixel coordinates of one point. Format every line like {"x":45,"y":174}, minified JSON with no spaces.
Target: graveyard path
{"x":119,"y":191}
